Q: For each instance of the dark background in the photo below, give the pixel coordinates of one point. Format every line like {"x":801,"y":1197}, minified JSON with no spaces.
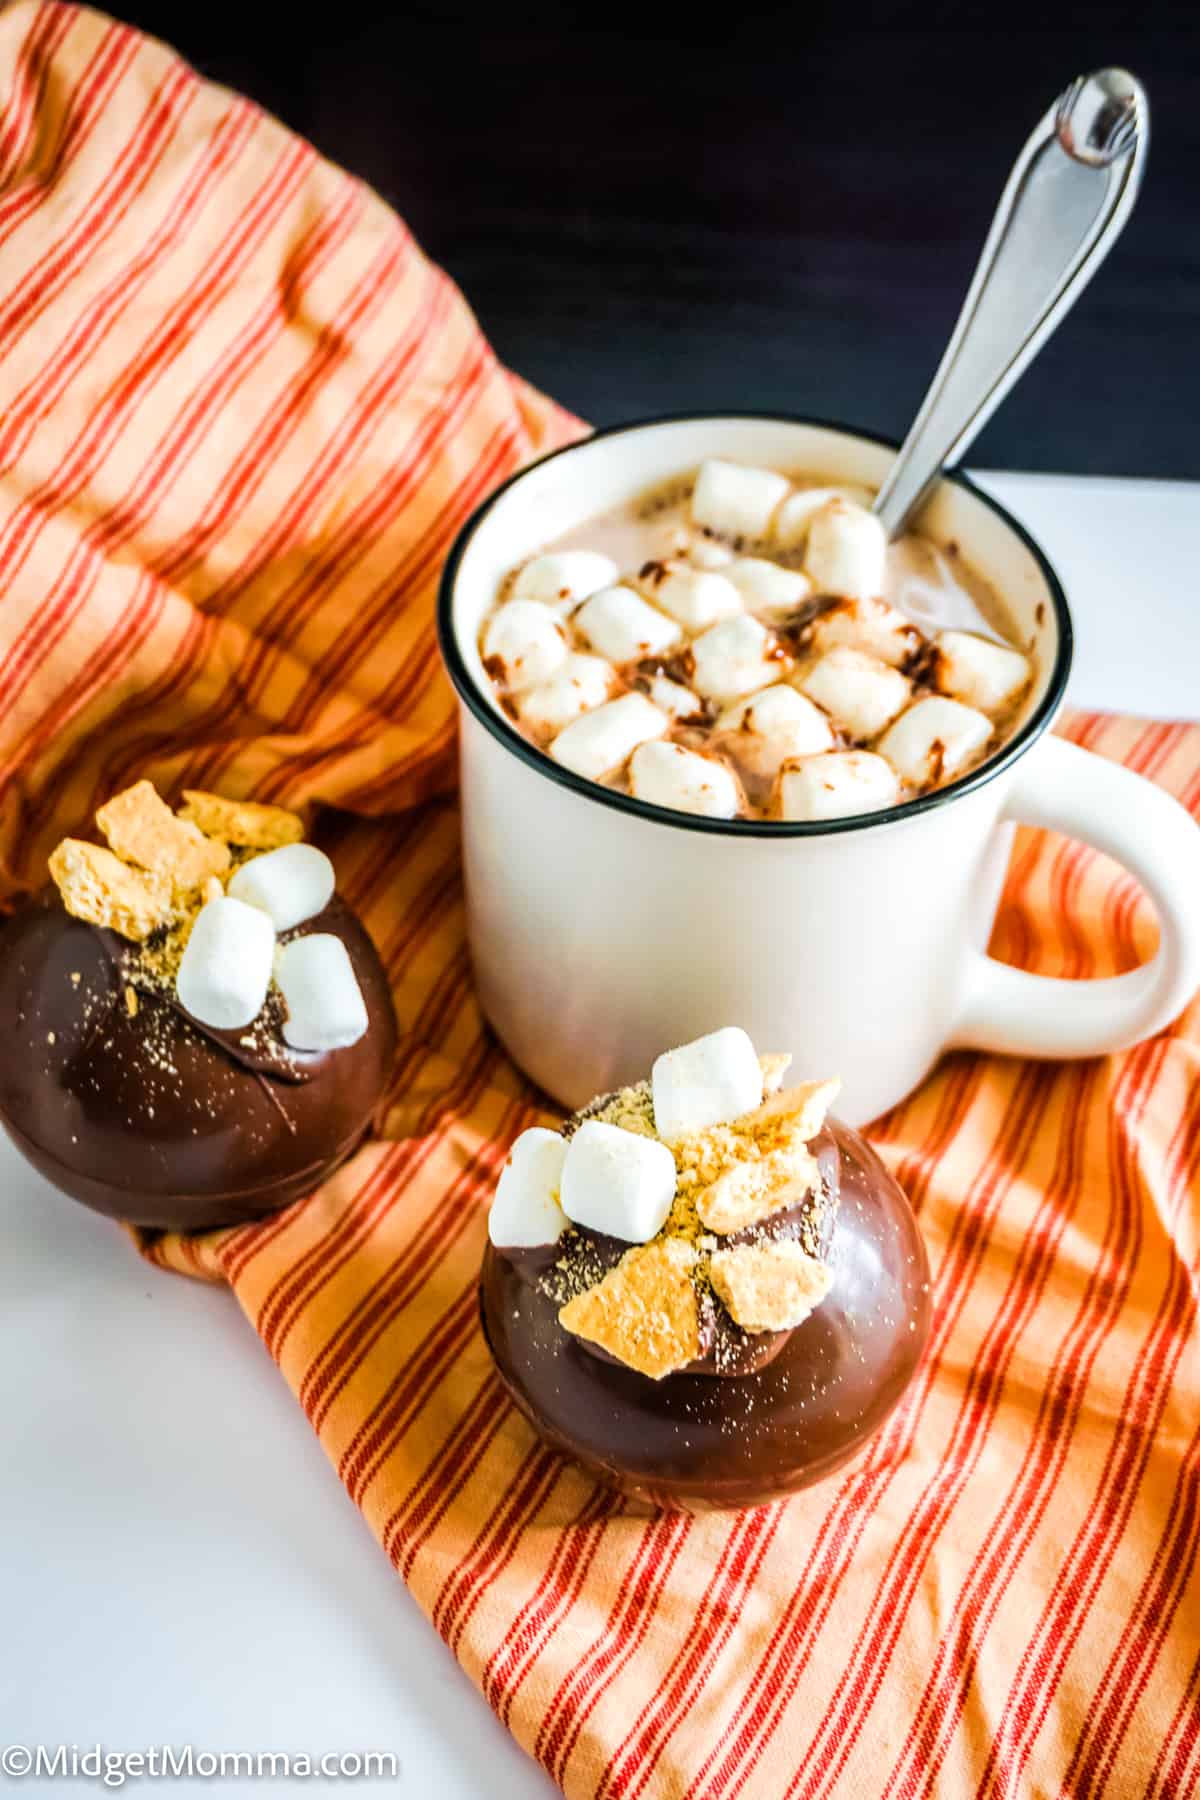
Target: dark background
{"x":735,"y":209}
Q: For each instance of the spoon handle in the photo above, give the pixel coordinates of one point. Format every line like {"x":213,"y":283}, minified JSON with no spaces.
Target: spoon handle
{"x":1070,"y":192}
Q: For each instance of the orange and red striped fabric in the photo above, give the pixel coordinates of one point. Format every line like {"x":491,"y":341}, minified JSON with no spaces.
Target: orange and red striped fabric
{"x":241,"y":418}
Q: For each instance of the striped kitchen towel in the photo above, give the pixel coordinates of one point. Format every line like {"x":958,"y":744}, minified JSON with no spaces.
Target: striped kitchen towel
{"x":241,"y":418}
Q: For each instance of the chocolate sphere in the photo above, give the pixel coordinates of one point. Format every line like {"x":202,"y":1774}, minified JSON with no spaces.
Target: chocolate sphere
{"x":700,"y":1440}
{"x":121,"y":1100}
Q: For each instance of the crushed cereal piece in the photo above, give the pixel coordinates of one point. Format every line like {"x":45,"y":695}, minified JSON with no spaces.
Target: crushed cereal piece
{"x":131,"y":1001}
{"x":246,"y":823}
{"x":141,"y":828}
{"x":751,"y":1191}
{"x":97,"y":886}
{"x":771,"y":1286}
{"x":645,"y":1312}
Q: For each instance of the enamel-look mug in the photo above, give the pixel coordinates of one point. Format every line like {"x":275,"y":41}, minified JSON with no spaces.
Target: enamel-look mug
{"x":604,"y":930}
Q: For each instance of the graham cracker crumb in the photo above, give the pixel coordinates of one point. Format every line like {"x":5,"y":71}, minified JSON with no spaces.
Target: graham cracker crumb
{"x":645,"y":1312}
{"x":580,"y":1265}
{"x":97,"y":886}
{"x":631,"y":1108}
{"x":142,"y":829}
{"x":771,"y":1286}
{"x":154,"y":965}
{"x":246,"y":823}
{"x":752,"y":1191}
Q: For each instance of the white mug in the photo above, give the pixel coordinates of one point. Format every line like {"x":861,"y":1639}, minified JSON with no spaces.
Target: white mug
{"x":604,"y":930}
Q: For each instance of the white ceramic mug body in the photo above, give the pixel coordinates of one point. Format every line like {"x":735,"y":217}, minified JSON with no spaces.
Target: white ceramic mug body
{"x":603,"y":931}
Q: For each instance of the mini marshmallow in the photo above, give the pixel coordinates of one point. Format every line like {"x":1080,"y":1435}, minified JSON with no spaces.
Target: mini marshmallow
{"x":603,"y":741}
{"x":583,"y":683}
{"x":863,"y":694}
{"x":673,"y":698}
{"x":325,"y":1007}
{"x":934,"y":738}
{"x":847,"y":551}
{"x":563,"y":578}
{"x":707,"y":1082}
{"x":767,"y":588}
{"x":670,"y":775}
{"x":526,"y":1212}
{"x":706,"y":553}
{"x":981,"y":673}
{"x":836,"y":786}
{"x":737,"y":657}
{"x":736,"y":501}
{"x":697,"y":597}
{"x":871,"y":626}
{"x":528,"y":642}
{"x":791,"y":525}
{"x":225,"y":969}
{"x":622,"y":626}
{"x":617,"y":1182}
{"x":290,"y":884}
{"x":772,"y":726}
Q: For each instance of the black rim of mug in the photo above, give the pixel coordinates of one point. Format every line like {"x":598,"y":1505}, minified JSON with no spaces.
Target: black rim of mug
{"x":507,"y":734}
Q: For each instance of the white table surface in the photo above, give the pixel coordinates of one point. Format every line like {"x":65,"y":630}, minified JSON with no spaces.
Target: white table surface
{"x":178,"y":1563}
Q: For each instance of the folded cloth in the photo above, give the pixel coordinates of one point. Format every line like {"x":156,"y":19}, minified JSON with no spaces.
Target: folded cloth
{"x":241,"y":418}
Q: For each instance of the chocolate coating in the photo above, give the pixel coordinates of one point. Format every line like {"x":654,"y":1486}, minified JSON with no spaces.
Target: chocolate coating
{"x":153,"y":1119}
{"x":696,"y":1440}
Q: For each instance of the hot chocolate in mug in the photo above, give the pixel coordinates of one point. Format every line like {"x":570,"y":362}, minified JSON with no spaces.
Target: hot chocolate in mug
{"x":604,"y":930}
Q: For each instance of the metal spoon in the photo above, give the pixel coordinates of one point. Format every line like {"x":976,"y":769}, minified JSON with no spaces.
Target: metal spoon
{"x":1070,"y":192}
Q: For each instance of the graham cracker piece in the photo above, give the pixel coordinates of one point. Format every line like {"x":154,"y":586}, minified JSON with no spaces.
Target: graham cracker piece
{"x":645,"y":1312}
{"x":774,"y":1066}
{"x":751,"y":1191}
{"x":802,"y":1108}
{"x":771,"y":1286}
{"x":97,"y":886}
{"x":246,"y":823}
{"x":142,"y":829}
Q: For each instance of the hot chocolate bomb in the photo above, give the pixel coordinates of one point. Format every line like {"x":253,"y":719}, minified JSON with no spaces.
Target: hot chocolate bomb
{"x":126,"y":1101}
{"x":830,"y":1271}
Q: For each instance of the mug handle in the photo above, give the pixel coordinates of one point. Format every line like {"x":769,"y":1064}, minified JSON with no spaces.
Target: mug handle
{"x":1065,"y":788}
